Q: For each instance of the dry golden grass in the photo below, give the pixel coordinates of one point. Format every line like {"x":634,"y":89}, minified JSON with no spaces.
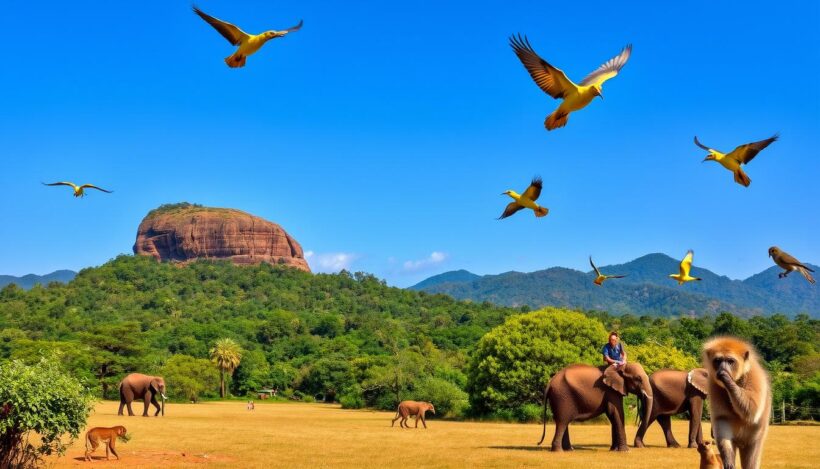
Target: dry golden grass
{"x":225,"y":434}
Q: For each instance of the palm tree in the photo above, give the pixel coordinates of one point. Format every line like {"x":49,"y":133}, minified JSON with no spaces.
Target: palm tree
{"x":226,"y":354}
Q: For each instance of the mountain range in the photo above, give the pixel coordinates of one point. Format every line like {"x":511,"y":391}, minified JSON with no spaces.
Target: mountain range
{"x":647,"y":289}
{"x":27,"y":281}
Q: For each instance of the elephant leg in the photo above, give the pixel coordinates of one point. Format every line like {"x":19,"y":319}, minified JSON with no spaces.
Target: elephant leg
{"x":130,"y":411}
{"x":146,"y":402}
{"x":557,"y":439}
{"x":665,"y":422}
{"x":423,"y":421}
{"x":565,"y":443}
{"x":615,"y":413}
{"x":417,"y":420}
{"x":695,"y":426}
{"x":642,"y":431}
{"x":155,"y":404}
{"x":122,"y":405}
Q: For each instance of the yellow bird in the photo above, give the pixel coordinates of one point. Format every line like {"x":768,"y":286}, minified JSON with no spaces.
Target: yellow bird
{"x":526,"y":200}
{"x":599,"y":279}
{"x":685,"y":267}
{"x":556,"y":84}
{"x":78,"y":190}
{"x":740,"y":155}
{"x":248,"y":43}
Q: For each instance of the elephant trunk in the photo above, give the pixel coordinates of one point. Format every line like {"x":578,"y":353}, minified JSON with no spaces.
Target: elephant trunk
{"x":647,"y":405}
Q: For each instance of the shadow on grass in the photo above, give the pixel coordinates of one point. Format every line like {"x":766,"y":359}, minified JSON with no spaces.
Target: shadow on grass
{"x":545,"y":448}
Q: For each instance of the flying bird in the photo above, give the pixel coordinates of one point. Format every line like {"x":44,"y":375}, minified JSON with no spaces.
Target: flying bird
{"x":526,"y":200}
{"x":79,"y":191}
{"x":788,"y":262}
{"x":740,"y":155}
{"x":555,"y":83}
{"x":685,"y":265}
{"x":248,"y":43}
{"x":599,"y":279}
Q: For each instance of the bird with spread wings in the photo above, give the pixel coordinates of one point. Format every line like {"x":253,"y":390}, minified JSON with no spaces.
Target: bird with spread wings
{"x":555,"y":83}
{"x":79,"y":191}
{"x":743,"y":154}
{"x":248,"y":43}
{"x":685,"y":267}
{"x":525,"y":200}
{"x":599,"y":277}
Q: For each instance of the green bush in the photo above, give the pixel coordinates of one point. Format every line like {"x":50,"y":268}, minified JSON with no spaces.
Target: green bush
{"x":39,"y":399}
{"x":190,"y":378}
{"x":448,"y":399}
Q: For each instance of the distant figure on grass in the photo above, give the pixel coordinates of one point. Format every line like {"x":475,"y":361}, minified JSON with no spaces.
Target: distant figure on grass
{"x":614,"y":353}
{"x":409,"y":408}
{"x":708,"y":457}
{"x":94,"y":436}
{"x":250,"y":405}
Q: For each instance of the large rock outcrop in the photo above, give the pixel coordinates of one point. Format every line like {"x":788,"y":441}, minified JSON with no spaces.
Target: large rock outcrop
{"x":186,"y":232}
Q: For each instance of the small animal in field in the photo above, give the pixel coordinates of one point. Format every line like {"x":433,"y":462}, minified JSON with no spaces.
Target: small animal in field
{"x":412,"y":408}
{"x":96,"y":435}
{"x":708,"y":457}
{"x":526,"y":200}
{"x":250,"y":405}
{"x":248,"y":43}
{"x":79,"y":191}
{"x":790,"y":264}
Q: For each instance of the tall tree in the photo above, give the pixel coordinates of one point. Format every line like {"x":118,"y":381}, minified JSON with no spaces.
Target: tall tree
{"x":226,"y":354}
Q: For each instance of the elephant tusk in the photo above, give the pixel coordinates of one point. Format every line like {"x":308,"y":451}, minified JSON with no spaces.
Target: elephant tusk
{"x":164,"y":397}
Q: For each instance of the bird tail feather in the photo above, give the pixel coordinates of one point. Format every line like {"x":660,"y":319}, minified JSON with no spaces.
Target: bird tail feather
{"x":804,"y":271}
{"x":742,"y":178}
{"x":556,"y":120}
{"x":541,"y":211}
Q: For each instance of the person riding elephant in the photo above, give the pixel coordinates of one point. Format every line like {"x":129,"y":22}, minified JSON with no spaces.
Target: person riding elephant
{"x":139,"y":386}
{"x":676,"y":392}
{"x":581,"y":392}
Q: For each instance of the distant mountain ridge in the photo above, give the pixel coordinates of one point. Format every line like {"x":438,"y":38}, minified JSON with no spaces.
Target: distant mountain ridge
{"x":647,"y":289}
{"x":26,"y":282}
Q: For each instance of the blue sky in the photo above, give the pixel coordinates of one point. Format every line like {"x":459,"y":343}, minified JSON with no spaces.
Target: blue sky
{"x":381,"y":136}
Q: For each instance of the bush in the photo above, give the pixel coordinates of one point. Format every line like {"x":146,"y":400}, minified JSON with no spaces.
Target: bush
{"x":448,"y":399}
{"x":190,"y":378}
{"x":39,"y":399}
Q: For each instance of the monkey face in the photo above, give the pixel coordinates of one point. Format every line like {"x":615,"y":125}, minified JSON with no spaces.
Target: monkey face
{"x":121,"y":431}
{"x":729,"y":361}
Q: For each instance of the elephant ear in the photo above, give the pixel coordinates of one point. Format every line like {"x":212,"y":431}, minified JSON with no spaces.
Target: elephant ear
{"x":615,"y":380}
{"x":699,"y":379}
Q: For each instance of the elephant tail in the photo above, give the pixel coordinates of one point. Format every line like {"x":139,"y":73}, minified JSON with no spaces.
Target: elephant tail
{"x":544,"y":418}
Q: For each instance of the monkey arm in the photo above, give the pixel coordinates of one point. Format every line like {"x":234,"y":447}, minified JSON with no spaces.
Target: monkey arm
{"x":743,"y":401}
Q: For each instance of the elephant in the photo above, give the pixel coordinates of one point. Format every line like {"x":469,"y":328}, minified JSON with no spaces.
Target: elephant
{"x":139,"y":386}
{"x":581,"y":392}
{"x":676,"y":392}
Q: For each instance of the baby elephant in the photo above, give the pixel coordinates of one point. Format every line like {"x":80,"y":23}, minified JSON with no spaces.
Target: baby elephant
{"x":408,"y":408}
{"x":94,"y":436}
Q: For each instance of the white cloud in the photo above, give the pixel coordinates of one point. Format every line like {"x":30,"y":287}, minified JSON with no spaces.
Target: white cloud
{"x":435,"y":258}
{"x":330,"y":261}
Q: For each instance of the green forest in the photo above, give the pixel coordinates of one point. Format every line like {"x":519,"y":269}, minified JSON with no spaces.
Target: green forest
{"x":350,"y":338}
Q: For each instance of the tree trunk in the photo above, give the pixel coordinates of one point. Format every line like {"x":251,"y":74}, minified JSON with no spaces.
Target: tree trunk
{"x":783,"y":412}
{"x":222,"y":384}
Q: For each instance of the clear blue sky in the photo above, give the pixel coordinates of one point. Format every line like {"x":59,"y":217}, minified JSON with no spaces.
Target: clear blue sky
{"x":381,"y":135}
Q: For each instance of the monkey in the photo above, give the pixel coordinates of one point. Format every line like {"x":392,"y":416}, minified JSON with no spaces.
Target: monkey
{"x":740,"y":400}
{"x":410,"y":408}
{"x":708,"y":458}
{"x":94,"y":436}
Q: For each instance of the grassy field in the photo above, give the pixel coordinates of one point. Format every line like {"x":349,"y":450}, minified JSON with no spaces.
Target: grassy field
{"x":225,"y":434}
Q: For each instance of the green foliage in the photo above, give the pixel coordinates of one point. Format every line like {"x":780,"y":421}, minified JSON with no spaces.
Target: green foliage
{"x":226,"y":354}
{"x":654,"y":357}
{"x":192,"y":378}
{"x":514,"y":361}
{"x":38,"y":399}
{"x":448,"y":399}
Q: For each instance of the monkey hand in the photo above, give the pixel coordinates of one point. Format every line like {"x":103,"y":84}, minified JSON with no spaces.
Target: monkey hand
{"x":724,"y":376}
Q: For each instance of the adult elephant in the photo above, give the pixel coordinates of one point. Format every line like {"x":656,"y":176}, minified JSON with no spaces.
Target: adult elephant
{"x":676,"y":392}
{"x":581,"y":392}
{"x":139,"y":386}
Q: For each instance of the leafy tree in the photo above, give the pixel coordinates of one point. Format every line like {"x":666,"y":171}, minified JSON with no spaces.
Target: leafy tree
{"x":514,"y":361}
{"x":190,"y":378}
{"x":226,"y":355}
{"x":41,"y":400}
{"x":654,"y":357}
{"x":252,"y":374}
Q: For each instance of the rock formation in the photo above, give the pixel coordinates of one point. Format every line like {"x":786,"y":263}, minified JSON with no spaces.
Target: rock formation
{"x":186,"y":232}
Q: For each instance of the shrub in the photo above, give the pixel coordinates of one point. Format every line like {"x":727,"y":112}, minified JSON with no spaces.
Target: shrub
{"x":39,"y":399}
{"x":448,"y":399}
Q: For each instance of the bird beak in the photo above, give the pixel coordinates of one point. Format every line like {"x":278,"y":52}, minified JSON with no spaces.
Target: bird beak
{"x":600,"y":96}
{"x":708,"y":158}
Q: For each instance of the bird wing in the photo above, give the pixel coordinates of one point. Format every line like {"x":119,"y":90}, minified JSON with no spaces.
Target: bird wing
{"x":534,"y":191}
{"x":686,"y":264}
{"x":697,"y":142}
{"x":746,"y":153}
{"x":92,"y":186}
{"x":230,"y":32}
{"x":790,"y":260}
{"x":551,"y":80}
{"x":615,"y":276}
{"x":512,"y":207}
{"x":295,"y":28}
{"x":597,"y":272}
{"x":609,"y":69}
{"x":73,"y":186}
